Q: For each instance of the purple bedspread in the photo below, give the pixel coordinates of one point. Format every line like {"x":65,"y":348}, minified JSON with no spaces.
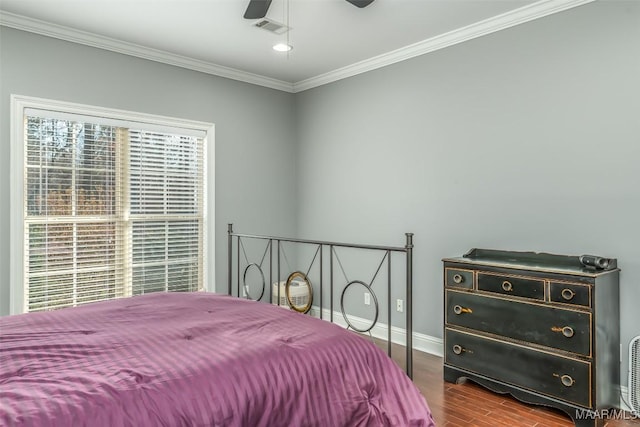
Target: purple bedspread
{"x":196,"y":359}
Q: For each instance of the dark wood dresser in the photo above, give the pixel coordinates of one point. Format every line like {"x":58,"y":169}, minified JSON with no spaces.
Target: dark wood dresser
{"x":541,"y":327}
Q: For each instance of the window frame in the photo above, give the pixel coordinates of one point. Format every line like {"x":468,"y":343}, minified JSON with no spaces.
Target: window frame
{"x":18,"y":252}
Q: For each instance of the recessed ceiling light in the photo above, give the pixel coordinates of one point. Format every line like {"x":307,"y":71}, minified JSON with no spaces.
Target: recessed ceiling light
{"x":282,"y":47}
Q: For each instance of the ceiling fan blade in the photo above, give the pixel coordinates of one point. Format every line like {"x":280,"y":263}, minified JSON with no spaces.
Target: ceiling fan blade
{"x":360,"y":3}
{"x":257,"y":9}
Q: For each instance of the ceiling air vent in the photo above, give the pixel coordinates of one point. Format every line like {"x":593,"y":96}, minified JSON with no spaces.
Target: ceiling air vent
{"x":271,"y":26}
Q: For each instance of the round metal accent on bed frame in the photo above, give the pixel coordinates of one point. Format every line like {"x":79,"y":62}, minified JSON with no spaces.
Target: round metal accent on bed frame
{"x":244,"y":281}
{"x":375,"y":302}
{"x":305,"y":309}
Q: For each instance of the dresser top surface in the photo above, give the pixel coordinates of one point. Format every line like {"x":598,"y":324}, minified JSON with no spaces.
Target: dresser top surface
{"x":564,"y":264}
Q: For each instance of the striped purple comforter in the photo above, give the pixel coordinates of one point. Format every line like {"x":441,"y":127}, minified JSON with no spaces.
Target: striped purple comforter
{"x":196,"y":359}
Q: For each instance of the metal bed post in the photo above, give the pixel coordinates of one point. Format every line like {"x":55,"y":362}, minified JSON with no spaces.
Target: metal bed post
{"x":230,"y":256}
{"x":331,"y":283}
{"x":271,"y":274}
{"x":321,"y":274}
{"x":278,"y":273}
{"x":409,"y":248}
{"x":389,"y":303}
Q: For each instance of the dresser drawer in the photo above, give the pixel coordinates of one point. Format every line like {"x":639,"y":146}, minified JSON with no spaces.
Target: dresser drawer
{"x":458,"y":278}
{"x":511,"y":285}
{"x":568,"y":330}
{"x":570,"y":293}
{"x":542,"y":372}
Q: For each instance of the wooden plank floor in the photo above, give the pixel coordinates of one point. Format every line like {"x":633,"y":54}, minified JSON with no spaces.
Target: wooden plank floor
{"x":468,"y":404}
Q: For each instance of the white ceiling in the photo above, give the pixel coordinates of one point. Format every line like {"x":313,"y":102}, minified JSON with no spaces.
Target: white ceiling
{"x":332,"y":39}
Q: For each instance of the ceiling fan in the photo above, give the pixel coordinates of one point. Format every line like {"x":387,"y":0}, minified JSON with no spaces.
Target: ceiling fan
{"x":258,"y":8}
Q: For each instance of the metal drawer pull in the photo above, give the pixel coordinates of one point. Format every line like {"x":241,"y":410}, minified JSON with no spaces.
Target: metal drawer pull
{"x":457,"y":278}
{"x":459,"y":309}
{"x":568,"y":294}
{"x":567,"y":381}
{"x":457,"y":349}
{"x":507,"y":286}
{"x":567,"y":331}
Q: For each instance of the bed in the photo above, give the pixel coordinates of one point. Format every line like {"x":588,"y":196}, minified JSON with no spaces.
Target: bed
{"x":196,"y":359}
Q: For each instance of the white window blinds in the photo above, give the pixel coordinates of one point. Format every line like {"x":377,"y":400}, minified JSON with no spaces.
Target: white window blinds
{"x":110,"y":210}
{"x":166,"y":207}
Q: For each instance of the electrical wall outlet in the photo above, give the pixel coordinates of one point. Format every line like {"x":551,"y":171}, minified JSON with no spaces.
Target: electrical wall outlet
{"x":400,"y":305}
{"x":367,"y":298}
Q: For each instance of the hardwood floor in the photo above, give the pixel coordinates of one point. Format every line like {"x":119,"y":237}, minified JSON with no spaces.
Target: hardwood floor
{"x":468,"y":404}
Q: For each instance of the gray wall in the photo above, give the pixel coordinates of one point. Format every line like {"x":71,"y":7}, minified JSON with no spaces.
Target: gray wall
{"x":526,"y":139}
{"x":254,"y":134}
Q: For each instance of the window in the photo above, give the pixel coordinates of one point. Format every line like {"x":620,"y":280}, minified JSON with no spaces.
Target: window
{"x":113,"y":204}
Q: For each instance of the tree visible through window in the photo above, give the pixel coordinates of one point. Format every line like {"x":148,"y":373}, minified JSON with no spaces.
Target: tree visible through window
{"x":110,"y":211}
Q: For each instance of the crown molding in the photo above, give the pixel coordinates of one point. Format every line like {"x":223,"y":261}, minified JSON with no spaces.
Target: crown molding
{"x":515,"y":17}
{"x":36,"y":26}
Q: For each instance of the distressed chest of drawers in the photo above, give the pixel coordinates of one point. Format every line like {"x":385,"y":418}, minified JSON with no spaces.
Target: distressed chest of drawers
{"x":541,"y":327}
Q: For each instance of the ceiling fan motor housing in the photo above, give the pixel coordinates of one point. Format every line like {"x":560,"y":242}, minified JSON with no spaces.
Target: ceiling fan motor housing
{"x":258,"y":8}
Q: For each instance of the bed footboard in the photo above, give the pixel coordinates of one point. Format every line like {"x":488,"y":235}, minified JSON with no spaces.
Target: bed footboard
{"x":271,"y":268}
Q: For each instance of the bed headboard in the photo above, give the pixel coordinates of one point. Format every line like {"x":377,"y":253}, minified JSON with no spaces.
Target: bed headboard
{"x":273,"y":271}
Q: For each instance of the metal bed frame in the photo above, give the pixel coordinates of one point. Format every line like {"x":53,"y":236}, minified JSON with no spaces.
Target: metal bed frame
{"x":321,"y":248}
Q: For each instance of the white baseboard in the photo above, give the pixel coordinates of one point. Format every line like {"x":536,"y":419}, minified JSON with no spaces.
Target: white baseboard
{"x":421,"y":342}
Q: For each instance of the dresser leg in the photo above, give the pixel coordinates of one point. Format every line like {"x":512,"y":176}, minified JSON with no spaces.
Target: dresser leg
{"x":451,"y":375}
